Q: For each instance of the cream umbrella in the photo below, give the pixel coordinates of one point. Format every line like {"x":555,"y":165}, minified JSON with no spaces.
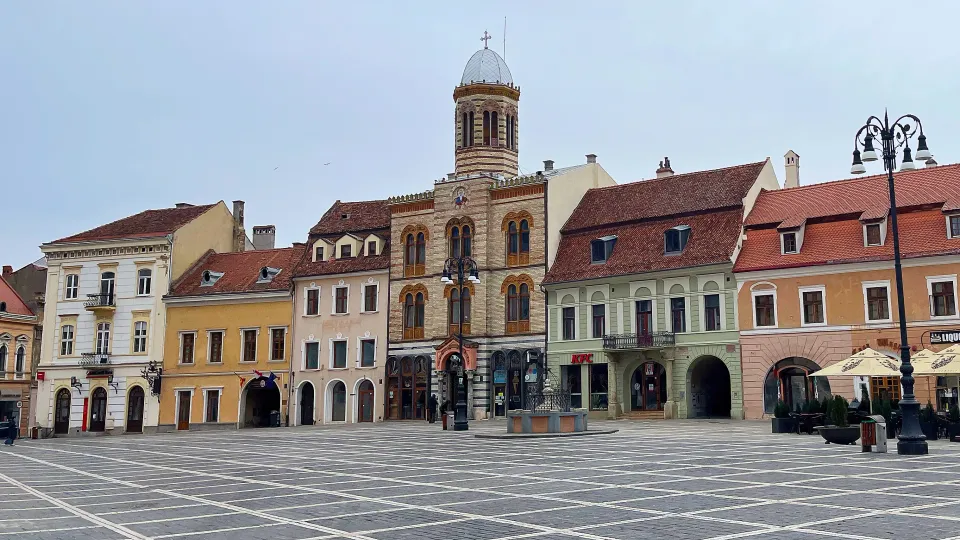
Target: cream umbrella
{"x":944,"y":363}
{"x":866,"y":363}
{"x":923,"y":359}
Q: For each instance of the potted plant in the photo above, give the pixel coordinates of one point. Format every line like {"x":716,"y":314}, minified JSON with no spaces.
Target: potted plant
{"x":781,"y":421}
{"x":953,"y":429}
{"x":838,"y":429}
{"x":928,"y":422}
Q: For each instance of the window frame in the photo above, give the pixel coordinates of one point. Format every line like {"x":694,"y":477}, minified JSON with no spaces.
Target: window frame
{"x":306,"y":365}
{"x":283,"y":344}
{"x":376,"y":298}
{"x":210,"y":333}
{"x":207,"y":390}
{"x":823,"y":304}
{"x":19,"y":361}
{"x":318,"y":253}
{"x":783,"y":243}
{"x":142,"y":339}
{"x":103,"y":327}
{"x":880,"y":284}
{"x":371,"y":248}
{"x":601,"y":319}
{"x":360,"y":343}
{"x":949,"y":219}
{"x":866,"y":234}
{"x":931,"y":280}
{"x":753,"y":306}
{"x":333,"y":353}
{"x":686,"y":314}
{"x":572,"y":336}
{"x":243,"y":345}
{"x":193,"y":348}
{"x":720,"y":309}
{"x":71,"y":341}
{"x":346,"y":300}
{"x":144,"y":278}
{"x":306,"y":301}
{"x":67,"y":288}
{"x":348,"y":248}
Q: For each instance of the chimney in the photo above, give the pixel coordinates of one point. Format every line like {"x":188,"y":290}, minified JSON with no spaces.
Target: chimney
{"x":183,"y":205}
{"x":664,"y":170}
{"x":930,"y":163}
{"x":239,"y":234}
{"x":791,"y":164}
{"x":548,"y":165}
{"x":264,"y":236}
{"x":591,"y":158}
{"x":7,"y":269}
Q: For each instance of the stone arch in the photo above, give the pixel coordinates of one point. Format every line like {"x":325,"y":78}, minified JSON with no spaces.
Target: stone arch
{"x":709,"y":388}
{"x":458,"y":222}
{"x":258,"y":399}
{"x":306,"y":403}
{"x":568,"y":299}
{"x":598,"y":296}
{"x":335,"y":402}
{"x":643,"y":292}
{"x":781,"y":382}
{"x":517,"y":279}
{"x":710,"y":286}
{"x":415,"y":228}
{"x":677,"y":289}
{"x":414,"y":289}
{"x":516,"y":217}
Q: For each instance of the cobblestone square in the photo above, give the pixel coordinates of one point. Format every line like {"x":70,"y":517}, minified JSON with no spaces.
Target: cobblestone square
{"x":684,"y":480}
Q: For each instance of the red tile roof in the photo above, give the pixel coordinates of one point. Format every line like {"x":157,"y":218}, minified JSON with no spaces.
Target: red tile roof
{"x":241,"y":270}
{"x":362,"y":263}
{"x":639,"y":247}
{"x":145,"y":224}
{"x":936,"y":185}
{"x":15,"y":304}
{"x":672,"y":195}
{"x":361,"y":216}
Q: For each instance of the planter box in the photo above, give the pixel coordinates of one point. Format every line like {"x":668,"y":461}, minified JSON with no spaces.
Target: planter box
{"x":782,"y":425}
{"x":840,"y":435}
{"x":929,"y":430}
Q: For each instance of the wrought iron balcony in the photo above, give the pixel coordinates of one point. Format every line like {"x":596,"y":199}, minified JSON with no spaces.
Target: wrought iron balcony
{"x":100,"y":301}
{"x":653,"y":340}
{"x":93,"y":359}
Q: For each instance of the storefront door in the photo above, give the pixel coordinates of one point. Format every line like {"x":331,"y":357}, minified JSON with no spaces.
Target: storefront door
{"x":647,"y":387}
{"x":98,"y":410}
{"x":183,"y":410}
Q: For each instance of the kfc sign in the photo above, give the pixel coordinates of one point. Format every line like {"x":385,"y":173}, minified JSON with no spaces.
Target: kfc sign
{"x":584,"y":358}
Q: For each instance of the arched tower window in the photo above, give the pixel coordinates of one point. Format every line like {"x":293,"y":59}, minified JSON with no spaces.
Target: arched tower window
{"x":464,"y":126}
{"x":511,"y":132}
{"x":414,"y":298}
{"x":470,"y":129}
{"x":455,"y":242}
{"x":410,"y":256}
{"x":414,"y":250}
{"x":494,"y":129}
{"x":517,"y":291}
{"x":516,"y":227}
{"x":486,"y":128}
{"x":467,"y":241}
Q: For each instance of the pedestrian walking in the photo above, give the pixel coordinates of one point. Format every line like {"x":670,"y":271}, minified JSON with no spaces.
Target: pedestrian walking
{"x":432,"y":408}
{"x":11,"y":431}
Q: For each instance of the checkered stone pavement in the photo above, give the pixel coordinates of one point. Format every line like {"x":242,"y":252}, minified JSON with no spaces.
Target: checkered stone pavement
{"x":672,"y":480}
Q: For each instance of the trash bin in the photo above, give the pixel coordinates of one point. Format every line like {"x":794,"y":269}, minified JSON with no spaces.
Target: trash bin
{"x":274,"y":418}
{"x":873,"y":434}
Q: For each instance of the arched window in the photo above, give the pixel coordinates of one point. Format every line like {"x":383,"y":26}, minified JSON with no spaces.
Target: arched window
{"x":455,"y":242}
{"x":415,"y":251}
{"x":513,"y":239}
{"x":420,"y":315}
{"x":20,"y":362}
{"x":516,"y":227}
{"x":421,"y":253}
{"x":338,"y":400}
{"x":486,"y":128}
{"x":511,"y":132}
{"x":524,"y":238}
{"x":470,"y":128}
{"x":3,"y":361}
{"x":465,"y":306}
{"x":454,"y":311}
{"x":494,"y":129}
{"x":410,"y":256}
{"x":467,"y":241}
{"x":513,"y":304}
{"x":464,"y":126}
{"x":525,"y":304}
{"x":413,"y":315}
{"x":517,"y":291}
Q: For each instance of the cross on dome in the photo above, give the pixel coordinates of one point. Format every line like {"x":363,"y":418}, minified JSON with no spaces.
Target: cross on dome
{"x":486,"y":37}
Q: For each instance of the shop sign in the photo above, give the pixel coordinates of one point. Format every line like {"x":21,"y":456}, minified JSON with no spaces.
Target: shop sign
{"x":944,"y":336}
{"x":500,"y":376}
{"x":583,"y":358}
{"x":41,"y":375}
{"x":10,"y":393}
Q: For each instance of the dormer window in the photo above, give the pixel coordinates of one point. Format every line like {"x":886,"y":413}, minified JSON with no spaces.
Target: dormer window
{"x":346,"y":251}
{"x":210,"y":277}
{"x":267,"y":274}
{"x":872,"y":234}
{"x":371,"y":248}
{"x":602,"y":248}
{"x":789,"y":242}
{"x":318,"y":253}
{"x":953,"y":226}
{"x":675,"y":239}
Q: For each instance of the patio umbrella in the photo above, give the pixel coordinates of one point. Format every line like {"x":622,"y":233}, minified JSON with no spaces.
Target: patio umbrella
{"x":866,"y":363}
{"x":944,"y":363}
{"x":923,"y":358}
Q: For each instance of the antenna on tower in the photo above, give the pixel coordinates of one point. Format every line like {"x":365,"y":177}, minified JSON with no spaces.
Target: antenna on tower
{"x":504,"y":37}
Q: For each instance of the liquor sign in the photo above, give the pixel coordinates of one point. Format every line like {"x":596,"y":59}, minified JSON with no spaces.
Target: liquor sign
{"x":944,"y":336}
{"x":583,"y":358}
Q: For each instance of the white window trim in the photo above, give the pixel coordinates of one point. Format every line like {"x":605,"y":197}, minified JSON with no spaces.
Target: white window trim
{"x":205,"y":390}
{"x":256,"y":350}
{"x":635,"y":286}
{"x":146,"y":335}
{"x":575,"y":293}
{"x":684,"y":283}
{"x":305,"y":303}
{"x":363,"y":297}
{"x":866,"y":304}
{"x":947,"y":219}
{"x":19,"y":373}
{"x":376,"y":346}
{"x":346,"y":364}
{"x":66,"y":286}
{"x":333,"y":302}
{"x":754,"y":293}
{"x":193,"y":361}
{"x":823,"y":298}
{"x":303,"y":356}
{"x":72,"y":323}
{"x":176,"y":408}
{"x":936,"y":279}
{"x":883,"y":233}
{"x":140,"y":278}
{"x":223,"y":340}
{"x":604,"y":290}
{"x":796,"y":242}
{"x":702,"y":281}
{"x":270,"y":330}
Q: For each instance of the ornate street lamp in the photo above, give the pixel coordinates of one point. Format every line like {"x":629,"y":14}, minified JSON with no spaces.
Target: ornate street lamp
{"x":893,"y":136}
{"x":456,"y":271}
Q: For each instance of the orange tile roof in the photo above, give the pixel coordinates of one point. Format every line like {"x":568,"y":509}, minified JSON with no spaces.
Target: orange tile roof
{"x":145,"y":224}
{"x":353,"y":217}
{"x":15,"y":304}
{"x":241,"y":270}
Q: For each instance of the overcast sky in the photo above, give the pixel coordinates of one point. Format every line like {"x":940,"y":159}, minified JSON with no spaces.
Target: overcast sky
{"x":110,"y":108}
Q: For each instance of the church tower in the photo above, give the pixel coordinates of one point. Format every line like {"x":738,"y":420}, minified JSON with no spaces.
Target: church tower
{"x":486,"y":116}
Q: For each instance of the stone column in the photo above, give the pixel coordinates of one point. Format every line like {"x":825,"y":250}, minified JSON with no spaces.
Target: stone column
{"x":670,"y":407}
{"x":613,"y":387}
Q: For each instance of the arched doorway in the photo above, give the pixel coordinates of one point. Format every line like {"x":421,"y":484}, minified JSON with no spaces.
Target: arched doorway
{"x":337,"y":400}
{"x":365,"y":401}
{"x":261,"y":397}
{"x":98,"y":410}
{"x":61,"y":418}
{"x":306,"y":404}
{"x":135,"y":410}
{"x":789,"y":380}
{"x":648,"y":387}
{"x":709,"y":381}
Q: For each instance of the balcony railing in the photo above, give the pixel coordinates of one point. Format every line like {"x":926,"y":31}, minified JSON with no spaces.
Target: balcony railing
{"x":93,"y":359}
{"x":100,"y":300}
{"x":652,"y":340}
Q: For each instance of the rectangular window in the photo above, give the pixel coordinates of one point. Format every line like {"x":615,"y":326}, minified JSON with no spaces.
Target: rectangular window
{"x":216,"y":347}
{"x":278,"y":338}
{"x":140,"y":337}
{"x":598,"y":387}
{"x":313,"y":302}
{"x":371,"y":248}
{"x":370,"y":298}
{"x":72,"y":290}
{"x":878,"y":304}
{"x":572,"y":384}
{"x":598,"y":252}
{"x":186,"y":347}
{"x":644,"y":313}
{"x":66,"y":340}
{"x":249,"y":346}
{"x":789,"y":242}
{"x":340,"y":300}
{"x":569,"y":323}
{"x":213,"y":406}
{"x":883,"y":388}
{"x":711,"y":312}
{"x":678,"y":314}
{"x":873,"y":234}
{"x":954,"y":226}
{"x":144,"y":278}
{"x":763,"y":305}
{"x":346,"y":251}
{"x":318,"y":253}
{"x":312,"y":353}
{"x":599,"y":320}
{"x":339,"y":354}
{"x":813,"y":307}
{"x":942,"y":299}
{"x":368,"y":352}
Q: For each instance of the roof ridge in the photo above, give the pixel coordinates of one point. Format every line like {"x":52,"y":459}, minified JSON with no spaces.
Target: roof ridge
{"x":856,"y":179}
{"x":674,"y":176}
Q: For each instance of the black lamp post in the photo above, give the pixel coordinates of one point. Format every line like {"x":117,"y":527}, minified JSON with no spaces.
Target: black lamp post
{"x":456,"y":271}
{"x":894,"y":135}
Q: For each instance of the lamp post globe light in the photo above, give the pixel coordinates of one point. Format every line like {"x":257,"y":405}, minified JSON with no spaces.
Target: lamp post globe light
{"x":457,"y":271}
{"x":893,"y":136}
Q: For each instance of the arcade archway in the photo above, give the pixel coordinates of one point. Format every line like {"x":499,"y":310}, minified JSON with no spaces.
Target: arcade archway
{"x":261,"y":397}
{"x":709,"y":388}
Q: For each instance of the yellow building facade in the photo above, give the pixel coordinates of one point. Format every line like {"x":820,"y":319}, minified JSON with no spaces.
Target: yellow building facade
{"x":227,"y":346}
